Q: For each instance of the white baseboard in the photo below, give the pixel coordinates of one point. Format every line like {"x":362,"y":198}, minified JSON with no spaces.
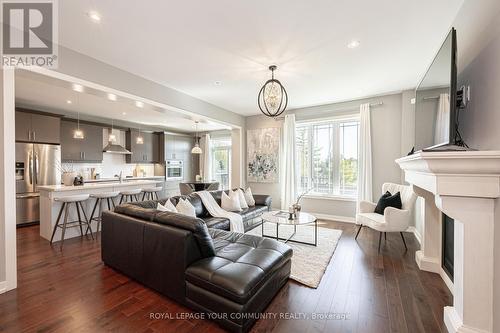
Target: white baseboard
{"x":3,"y":287}
{"x":415,"y":232}
{"x":337,"y":218}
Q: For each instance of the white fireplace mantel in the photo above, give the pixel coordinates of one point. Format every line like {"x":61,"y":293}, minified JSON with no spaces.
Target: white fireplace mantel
{"x":466,"y":187}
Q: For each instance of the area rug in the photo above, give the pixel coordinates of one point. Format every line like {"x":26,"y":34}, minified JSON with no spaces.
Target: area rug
{"x":309,"y":262}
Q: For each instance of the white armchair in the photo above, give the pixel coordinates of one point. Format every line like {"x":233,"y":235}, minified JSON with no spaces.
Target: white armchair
{"x":393,"y":220}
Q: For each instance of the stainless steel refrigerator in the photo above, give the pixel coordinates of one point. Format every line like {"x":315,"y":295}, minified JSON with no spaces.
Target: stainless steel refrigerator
{"x":36,"y":164}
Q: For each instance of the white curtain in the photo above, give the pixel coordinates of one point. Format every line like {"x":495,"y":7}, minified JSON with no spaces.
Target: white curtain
{"x":365,"y":155}
{"x":442,"y":131}
{"x":206,"y":158}
{"x":288,"y":168}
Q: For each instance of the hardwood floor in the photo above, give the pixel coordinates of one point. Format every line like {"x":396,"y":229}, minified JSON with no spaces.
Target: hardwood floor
{"x":72,"y":291}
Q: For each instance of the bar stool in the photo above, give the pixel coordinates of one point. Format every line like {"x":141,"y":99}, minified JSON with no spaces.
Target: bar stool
{"x":130,"y":195}
{"x":151,"y":193}
{"x":100,"y":197}
{"x":66,"y":201}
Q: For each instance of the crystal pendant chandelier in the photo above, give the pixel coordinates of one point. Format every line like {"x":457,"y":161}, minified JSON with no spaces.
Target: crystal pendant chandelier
{"x":273,"y":98}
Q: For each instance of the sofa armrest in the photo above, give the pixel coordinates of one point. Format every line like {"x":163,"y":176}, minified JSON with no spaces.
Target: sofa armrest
{"x":366,"y":207}
{"x":263,"y":200}
{"x":397,"y":219}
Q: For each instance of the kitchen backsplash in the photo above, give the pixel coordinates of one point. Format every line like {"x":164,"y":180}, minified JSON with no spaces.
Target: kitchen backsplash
{"x":111,"y":165}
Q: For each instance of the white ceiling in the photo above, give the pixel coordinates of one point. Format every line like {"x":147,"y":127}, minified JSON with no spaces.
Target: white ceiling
{"x":188,"y":45}
{"x":49,"y":94}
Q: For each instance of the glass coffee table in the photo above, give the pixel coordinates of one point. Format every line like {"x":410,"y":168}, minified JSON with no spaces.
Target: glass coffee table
{"x":281,"y":218}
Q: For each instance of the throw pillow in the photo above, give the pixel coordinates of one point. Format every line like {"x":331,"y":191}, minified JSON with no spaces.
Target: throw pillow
{"x":170,"y":205}
{"x":388,"y":200}
{"x":186,"y":208}
{"x":230,"y":202}
{"x":162,"y":208}
{"x":243,"y":201}
{"x":249,"y":197}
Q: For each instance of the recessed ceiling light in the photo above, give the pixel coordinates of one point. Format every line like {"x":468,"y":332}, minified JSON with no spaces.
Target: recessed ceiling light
{"x":139,"y":104}
{"x":69,"y":102}
{"x":112,"y":97}
{"x":217,"y":83}
{"x":353,"y":44}
{"x":124,"y":113}
{"x":94,"y":16}
{"x":77,"y":87}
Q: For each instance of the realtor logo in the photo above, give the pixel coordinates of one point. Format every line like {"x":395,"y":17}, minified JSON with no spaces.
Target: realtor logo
{"x":29,"y":33}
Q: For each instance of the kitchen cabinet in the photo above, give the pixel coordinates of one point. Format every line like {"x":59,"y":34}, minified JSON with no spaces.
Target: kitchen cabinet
{"x":175,"y":147}
{"x":39,"y":128}
{"x":88,"y":149}
{"x":147,"y":152}
{"x":178,"y":147}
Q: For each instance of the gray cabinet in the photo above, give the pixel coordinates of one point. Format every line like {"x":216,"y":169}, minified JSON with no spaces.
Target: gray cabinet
{"x":175,"y":147}
{"x":147,"y":152}
{"x":88,"y":149}
{"x":178,"y":147}
{"x":34,"y":127}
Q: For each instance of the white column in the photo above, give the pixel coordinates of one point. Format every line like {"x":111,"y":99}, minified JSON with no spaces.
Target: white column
{"x":428,"y":258}
{"x":237,"y":158}
{"x":472,"y":309}
{"x":8,"y":269}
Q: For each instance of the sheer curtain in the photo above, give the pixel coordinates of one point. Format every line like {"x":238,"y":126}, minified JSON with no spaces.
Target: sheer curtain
{"x":206,"y":158}
{"x":288,"y":168}
{"x":365,"y":155}
{"x":442,"y":131}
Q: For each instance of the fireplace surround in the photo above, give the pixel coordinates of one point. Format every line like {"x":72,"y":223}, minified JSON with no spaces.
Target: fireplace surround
{"x":466,"y":187}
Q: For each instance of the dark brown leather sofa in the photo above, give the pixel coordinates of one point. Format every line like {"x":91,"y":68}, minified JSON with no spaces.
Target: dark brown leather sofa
{"x":231,"y":277}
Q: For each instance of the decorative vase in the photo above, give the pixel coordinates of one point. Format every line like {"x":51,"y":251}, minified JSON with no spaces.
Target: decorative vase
{"x":296,"y":208}
{"x":68,"y":178}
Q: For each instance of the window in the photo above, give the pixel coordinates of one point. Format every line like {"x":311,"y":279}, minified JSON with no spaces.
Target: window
{"x":328,"y":157}
{"x":221,"y":160}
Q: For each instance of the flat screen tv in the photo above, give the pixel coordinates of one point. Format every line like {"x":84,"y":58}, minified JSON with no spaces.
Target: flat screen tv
{"x":435,"y":100}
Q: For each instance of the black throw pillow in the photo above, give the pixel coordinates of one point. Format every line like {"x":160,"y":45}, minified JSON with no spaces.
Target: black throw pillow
{"x":388,"y":200}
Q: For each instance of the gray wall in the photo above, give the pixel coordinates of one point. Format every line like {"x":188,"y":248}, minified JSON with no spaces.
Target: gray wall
{"x":480,"y":122}
{"x":386,"y":122}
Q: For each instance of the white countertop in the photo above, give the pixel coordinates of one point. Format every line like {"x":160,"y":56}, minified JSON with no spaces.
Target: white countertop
{"x":114,"y":179}
{"x":89,"y":186}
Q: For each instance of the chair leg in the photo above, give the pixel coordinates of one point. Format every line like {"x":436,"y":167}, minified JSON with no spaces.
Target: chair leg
{"x":121,"y":199}
{"x":379,"y":240}
{"x":144,"y":196}
{"x":360,"y":226}
{"x":156,"y":194}
{"x":57,"y":221}
{"x":64,"y":224}
{"x":86,"y":219}
{"x":79,"y":218}
{"x":385,"y":235}
{"x":92,"y":215}
{"x":404,"y":242}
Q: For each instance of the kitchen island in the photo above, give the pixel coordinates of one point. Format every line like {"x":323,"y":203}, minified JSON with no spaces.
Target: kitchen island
{"x":49,"y":207}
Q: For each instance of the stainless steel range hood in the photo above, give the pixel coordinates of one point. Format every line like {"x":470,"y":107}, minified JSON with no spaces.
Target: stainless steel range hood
{"x":116,"y":149}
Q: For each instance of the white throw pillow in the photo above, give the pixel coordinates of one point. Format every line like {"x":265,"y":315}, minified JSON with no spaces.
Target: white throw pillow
{"x":162,"y":208}
{"x":249,"y":197}
{"x":230,"y":202}
{"x":184,"y":207}
{"x":168,"y":207}
{"x":243,"y":201}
